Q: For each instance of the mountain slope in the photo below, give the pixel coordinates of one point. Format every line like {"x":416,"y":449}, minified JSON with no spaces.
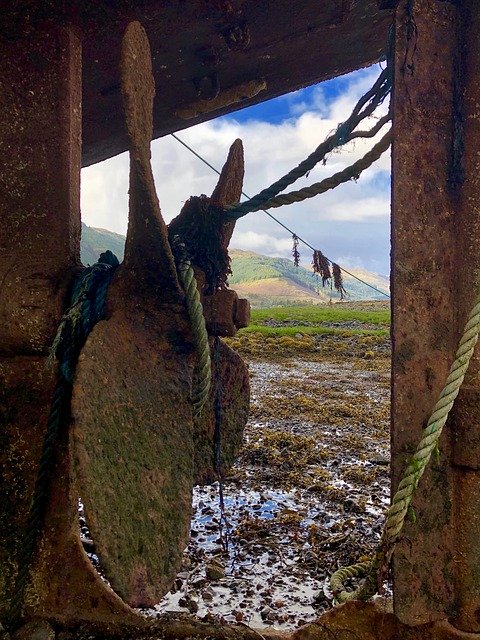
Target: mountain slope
{"x":265,"y":281}
{"x":249,"y":269}
{"x":96,"y":241}
{"x":271,"y":292}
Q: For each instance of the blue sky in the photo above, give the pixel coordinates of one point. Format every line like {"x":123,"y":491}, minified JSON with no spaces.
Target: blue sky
{"x":350,"y":224}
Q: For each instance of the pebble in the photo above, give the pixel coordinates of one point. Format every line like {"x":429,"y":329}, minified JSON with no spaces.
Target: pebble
{"x":215,"y":571}
{"x":198,"y":583}
{"x":207,"y":595}
{"x":192,"y":606}
{"x":183,"y":575}
{"x":265,"y":612}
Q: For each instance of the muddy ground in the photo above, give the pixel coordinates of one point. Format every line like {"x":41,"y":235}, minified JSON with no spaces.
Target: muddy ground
{"x":309,"y":491}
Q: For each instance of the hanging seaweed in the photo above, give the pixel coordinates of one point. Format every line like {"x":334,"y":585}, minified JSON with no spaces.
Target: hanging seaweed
{"x":338,"y":281}
{"x":201,"y":230}
{"x":321,"y":265}
{"x":295,"y":251}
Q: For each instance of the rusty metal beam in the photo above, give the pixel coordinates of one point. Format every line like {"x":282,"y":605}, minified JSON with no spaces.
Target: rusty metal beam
{"x":466,"y":421}
{"x":40,"y":131}
{"x":435,"y":271}
{"x":40,"y":142}
{"x":210,"y":57}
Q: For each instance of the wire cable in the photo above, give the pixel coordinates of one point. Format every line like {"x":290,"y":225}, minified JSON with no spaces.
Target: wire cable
{"x":307,"y":244}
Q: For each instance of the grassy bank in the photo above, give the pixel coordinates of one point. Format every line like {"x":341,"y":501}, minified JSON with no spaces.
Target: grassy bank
{"x":317,"y":320}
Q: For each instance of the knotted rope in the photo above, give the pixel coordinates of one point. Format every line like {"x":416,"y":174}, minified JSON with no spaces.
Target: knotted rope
{"x":414,"y":471}
{"x":86,"y":309}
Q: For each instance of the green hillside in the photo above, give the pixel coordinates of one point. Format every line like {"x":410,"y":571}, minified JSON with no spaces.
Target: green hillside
{"x":250,"y":267}
{"x":264,"y":280}
{"x":95,"y":241}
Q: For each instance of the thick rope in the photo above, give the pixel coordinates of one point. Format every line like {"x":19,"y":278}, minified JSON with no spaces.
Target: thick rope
{"x":87,"y":305}
{"x":343,"y":134}
{"x":349,"y":173}
{"x":202,"y":374}
{"x":415,"y":469}
{"x":281,"y":224}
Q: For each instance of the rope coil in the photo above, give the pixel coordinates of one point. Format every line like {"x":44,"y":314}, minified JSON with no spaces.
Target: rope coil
{"x":86,"y":309}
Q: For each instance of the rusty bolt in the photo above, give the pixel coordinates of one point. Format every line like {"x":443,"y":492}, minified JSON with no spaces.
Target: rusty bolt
{"x":237,"y":37}
{"x":207,"y":87}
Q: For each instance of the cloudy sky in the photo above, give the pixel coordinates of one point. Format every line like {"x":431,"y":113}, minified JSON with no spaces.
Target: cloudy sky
{"x":350,"y":224}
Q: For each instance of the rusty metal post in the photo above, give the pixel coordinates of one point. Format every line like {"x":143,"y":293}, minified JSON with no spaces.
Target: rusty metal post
{"x":466,"y":420}
{"x":40,"y":156}
{"x":435,"y":272}
{"x":40,"y":133}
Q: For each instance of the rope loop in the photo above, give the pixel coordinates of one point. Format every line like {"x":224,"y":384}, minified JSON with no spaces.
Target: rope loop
{"x":86,"y":309}
{"x":415,"y":469}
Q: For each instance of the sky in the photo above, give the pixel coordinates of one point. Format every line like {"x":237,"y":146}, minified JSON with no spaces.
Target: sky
{"x":350,"y":224}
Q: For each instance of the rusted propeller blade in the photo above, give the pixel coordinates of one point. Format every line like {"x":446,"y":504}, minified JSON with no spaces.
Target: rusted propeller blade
{"x":229,"y":186}
{"x":201,"y":225}
{"x":230,"y":384}
{"x":148,"y":256}
{"x":131,"y":410}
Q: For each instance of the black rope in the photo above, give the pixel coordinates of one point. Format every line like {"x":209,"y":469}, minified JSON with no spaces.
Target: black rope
{"x":86,"y":309}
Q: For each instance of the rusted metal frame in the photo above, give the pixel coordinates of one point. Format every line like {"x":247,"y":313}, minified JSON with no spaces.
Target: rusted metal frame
{"x":435,"y":273}
{"x":40,"y":135}
{"x":39,"y":184}
{"x":466,"y":421}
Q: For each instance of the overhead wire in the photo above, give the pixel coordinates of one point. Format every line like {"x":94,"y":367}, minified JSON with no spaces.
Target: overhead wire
{"x":290,"y":231}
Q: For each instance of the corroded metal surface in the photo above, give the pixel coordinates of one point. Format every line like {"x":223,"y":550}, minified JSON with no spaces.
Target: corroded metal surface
{"x":466,"y":415}
{"x":423,"y":277}
{"x":435,"y":270}
{"x":134,"y":434}
{"x":133,"y":451}
{"x":231,"y":389}
{"x":132,"y":416}
{"x":202,"y":49}
{"x":374,"y":620}
{"x":64,"y":586}
{"x":40,"y":130}
{"x":39,"y":253}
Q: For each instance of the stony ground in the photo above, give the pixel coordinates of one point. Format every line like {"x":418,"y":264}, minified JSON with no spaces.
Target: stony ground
{"x":308,"y":492}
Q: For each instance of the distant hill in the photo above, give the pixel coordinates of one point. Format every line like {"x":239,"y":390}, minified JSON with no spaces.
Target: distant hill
{"x":268,"y":281}
{"x":96,"y":241}
{"x":265,"y":281}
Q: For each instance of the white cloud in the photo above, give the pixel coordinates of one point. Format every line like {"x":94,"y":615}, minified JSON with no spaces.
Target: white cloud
{"x":360,"y":209}
{"x":270,"y":151}
{"x":263,"y":243}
